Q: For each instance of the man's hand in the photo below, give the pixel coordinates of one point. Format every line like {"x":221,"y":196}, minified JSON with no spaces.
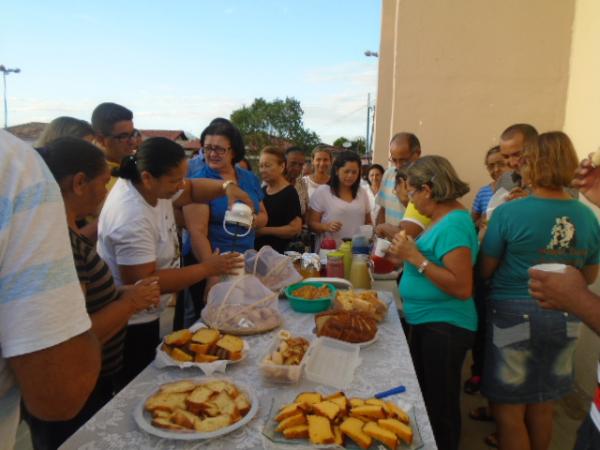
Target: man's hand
{"x":224,"y":264}
{"x":386,"y":230}
{"x":557,"y":290}
{"x":587,"y":180}
{"x":234,"y":194}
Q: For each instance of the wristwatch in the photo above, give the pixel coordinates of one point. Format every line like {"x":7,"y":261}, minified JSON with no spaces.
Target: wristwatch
{"x":422,"y":266}
{"x":227,"y":183}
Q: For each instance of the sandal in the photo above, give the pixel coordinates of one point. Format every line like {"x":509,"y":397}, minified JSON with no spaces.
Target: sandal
{"x":491,"y":440}
{"x":482,"y":414}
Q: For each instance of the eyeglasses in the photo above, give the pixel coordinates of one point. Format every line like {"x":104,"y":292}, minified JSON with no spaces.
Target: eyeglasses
{"x":215,"y":149}
{"x":123,"y":137}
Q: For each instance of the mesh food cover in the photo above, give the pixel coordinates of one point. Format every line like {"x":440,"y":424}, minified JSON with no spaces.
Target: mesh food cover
{"x":242,"y":305}
{"x":273,"y":269}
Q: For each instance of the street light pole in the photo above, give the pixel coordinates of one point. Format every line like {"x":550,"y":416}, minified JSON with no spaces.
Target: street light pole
{"x":6,"y":71}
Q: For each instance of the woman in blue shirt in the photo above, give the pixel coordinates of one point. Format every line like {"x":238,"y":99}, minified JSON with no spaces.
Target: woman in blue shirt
{"x":223,"y":147}
{"x":529,"y":351}
{"x":436,"y":288}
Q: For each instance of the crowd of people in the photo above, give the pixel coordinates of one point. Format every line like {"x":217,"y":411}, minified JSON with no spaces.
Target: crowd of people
{"x":100,"y":231}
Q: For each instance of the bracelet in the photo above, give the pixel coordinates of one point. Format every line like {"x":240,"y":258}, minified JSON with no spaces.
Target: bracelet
{"x":226,"y":184}
{"x":422,"y":266}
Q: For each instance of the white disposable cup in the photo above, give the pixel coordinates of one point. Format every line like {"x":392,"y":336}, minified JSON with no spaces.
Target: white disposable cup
{"x":551,"y":267}
{"x":240,"y":271}
{"x":366,"y":230}
{"x":381,"y":246}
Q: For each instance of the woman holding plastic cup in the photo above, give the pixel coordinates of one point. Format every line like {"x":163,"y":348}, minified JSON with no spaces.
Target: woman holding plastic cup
{"x":529,"y":351}
{"x":436,"y":288}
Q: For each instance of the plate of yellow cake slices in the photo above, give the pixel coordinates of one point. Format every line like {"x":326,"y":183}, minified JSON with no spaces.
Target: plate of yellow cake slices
{"x":336,"y":420}
{"x":194,"y":409}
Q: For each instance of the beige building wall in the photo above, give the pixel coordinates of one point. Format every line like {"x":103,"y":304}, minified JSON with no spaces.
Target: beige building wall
{"x":464,"y":70}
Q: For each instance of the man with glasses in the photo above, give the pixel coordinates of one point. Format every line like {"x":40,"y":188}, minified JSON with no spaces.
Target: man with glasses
{"x":405,"y":148}
{"x":115,"y":133}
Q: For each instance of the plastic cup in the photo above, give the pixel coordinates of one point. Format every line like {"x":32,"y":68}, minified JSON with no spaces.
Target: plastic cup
{"x":551,"y":267}
{"x":381,"y":246}
{"x":366,"y":230}
{"x":239,"y":271}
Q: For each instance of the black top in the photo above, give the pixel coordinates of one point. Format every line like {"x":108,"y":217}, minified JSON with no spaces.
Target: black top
{"x":282,"y":208}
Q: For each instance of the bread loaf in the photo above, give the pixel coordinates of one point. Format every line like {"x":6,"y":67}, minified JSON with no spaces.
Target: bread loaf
{"x":349,"y":326}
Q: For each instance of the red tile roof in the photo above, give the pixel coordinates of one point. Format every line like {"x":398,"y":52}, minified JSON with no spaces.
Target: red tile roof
{"x":174,"y":135}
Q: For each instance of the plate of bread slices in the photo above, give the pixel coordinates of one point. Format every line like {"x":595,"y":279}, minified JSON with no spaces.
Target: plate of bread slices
{"x":196,"y":409}
{"x":345,"y":422}
{"x":202,"y":347}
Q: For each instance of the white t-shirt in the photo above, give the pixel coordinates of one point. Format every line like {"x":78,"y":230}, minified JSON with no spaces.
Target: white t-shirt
{"x":373,"y":206}
{"x":311,"y":186}
{"x":132,"y":232}
{"x":41,"y":302}
{"x":350,"y":214}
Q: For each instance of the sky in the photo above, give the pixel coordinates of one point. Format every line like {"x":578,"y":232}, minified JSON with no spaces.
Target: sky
{"x":179,"y":64}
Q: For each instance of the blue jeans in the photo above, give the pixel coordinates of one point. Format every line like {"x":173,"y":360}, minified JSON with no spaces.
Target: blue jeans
{"x":529,"y":352}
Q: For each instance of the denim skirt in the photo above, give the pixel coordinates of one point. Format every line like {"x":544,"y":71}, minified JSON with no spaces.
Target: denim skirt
{"x":528,"y":352}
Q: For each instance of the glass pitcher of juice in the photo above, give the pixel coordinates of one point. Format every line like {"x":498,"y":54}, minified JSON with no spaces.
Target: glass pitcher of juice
{"x":359,"y":272}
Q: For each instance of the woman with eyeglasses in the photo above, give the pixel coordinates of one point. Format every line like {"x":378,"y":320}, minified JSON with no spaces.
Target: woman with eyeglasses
{"x":496,"y":167}
{"x":529,"y":350}
{"x":436,"y":288}
{"x":281,"y":201}
{"x":321,"y":166}
{"x":137,"y":236}
{"x":339,"y":208}
{"x":223,"y":147}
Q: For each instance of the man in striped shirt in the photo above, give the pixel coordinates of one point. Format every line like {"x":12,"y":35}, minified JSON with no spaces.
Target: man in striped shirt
{"x":48,"y":354}
{"x":405,"y":148}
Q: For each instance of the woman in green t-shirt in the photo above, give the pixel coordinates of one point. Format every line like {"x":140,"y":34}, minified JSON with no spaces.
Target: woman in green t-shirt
{"x":528,"y":360}
{"x":436,"y":287}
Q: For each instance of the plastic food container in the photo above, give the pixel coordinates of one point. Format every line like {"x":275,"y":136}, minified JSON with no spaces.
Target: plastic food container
{"x":331,"y":362}
{"x":281,"y":373}
{"x":309,"y":306}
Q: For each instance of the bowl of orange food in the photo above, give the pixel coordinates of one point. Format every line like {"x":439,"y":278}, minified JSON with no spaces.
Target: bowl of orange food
{"x":310,"y":296}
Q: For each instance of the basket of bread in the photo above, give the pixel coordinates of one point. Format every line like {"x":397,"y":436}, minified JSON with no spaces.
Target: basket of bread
{"x":241,"y":306}
{"x":196,"y":409}
{"x":367,"y":302}
{"x":198,"y":346}
{"x":285,"y":358}
{"x":348,"y":422}
{"x":354,"y":327}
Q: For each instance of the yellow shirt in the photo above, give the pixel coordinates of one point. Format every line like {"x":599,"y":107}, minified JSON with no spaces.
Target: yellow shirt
{"x":412,"y":215}
{"x":113,"y":179}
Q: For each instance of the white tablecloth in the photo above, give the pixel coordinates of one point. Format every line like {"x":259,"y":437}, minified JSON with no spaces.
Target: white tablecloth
{"x":385,"y":364}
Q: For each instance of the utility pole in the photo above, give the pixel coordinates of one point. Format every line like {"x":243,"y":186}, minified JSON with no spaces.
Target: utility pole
{"x":6,"y":71}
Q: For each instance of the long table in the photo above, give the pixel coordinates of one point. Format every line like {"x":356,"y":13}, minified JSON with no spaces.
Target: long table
{"x":385,"y":364}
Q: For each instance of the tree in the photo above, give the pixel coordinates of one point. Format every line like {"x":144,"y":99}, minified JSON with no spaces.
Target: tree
{"x":262,"y":121}
{"x":358,"y":144}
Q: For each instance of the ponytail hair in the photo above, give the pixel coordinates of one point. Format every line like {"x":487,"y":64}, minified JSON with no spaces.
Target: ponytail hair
{"x":157,"y":156}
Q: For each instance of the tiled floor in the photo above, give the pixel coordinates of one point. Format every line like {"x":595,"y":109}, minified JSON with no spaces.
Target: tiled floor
{"x":569,"y":414}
